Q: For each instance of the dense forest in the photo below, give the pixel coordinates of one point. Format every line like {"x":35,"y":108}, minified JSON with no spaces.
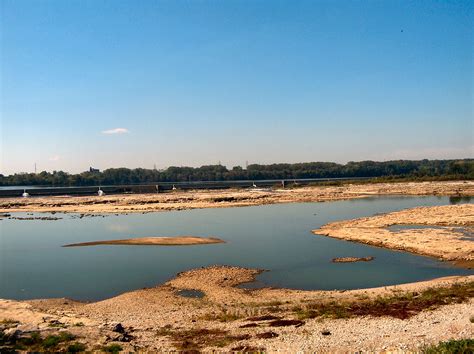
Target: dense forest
{"x":423,"y":169}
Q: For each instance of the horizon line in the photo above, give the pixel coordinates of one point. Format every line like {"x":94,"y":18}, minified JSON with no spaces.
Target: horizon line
{"x":231,"y":167}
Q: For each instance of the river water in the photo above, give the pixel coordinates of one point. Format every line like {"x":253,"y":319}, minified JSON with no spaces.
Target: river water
{"x":277,"y":238}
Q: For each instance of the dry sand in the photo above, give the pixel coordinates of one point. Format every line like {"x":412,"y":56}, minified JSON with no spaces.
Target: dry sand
{"x":180,"y":200}
{"x":447,"y":243}
{"x":154,"y":241}
{"x":150,"y":316}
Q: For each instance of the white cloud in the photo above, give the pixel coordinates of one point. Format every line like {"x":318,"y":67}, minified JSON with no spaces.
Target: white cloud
{"x":55,"y":158}
{"x":116,"y":131}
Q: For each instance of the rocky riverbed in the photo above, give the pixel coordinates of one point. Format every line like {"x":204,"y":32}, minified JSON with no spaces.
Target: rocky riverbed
{"x":231,"y":318}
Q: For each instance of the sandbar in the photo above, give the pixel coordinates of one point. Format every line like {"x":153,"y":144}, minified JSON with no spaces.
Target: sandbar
{"x":447,"y":243}
{"x":153,"y":241}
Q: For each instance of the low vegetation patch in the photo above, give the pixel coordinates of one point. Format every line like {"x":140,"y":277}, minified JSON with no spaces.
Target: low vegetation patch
{"x":8,"y":322}
{"x":57,"y":324}
{"x":461,"y":346}
{"x":34,"y":342}
{"x":112,"y":348}
{"x":223,"y":316}
{"x":248,"y":349}
{"x":198,"y":338}
{"x":76,"y":348}
{"x":399,"y":305}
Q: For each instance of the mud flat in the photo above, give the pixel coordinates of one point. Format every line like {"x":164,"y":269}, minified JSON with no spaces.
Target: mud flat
{"x":153,"y":241}
{"x":440,"y":235}
{"x":230,"y":318}
{"x":180,"y":200}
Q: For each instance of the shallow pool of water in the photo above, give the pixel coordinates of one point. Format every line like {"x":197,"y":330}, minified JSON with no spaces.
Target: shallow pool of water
{"x":277,"y":238}
{"x":466,"y":232}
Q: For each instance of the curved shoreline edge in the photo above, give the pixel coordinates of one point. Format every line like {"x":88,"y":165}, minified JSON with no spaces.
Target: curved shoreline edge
{"x":440,"y":236}
{"x":159,"y":319}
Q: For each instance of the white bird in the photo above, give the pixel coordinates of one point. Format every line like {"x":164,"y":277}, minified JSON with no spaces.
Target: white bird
{"x":174,"y":188}
{"x":100,"y":192}
{"x":25,"y":194}
{"x":254,"y":185}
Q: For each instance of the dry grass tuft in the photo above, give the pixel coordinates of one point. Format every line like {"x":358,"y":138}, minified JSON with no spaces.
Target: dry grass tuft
{"x":400,"y":306}
{"x":198,"y":338}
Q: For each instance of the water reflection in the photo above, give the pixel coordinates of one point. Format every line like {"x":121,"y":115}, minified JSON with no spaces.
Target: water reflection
{"x":459,"y":199}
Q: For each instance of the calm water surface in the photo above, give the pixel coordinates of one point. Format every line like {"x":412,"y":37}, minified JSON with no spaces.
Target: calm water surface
{"x":274,"y":237}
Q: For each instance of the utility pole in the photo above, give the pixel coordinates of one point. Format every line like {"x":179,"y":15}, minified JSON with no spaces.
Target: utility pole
{"x":35,"y":167}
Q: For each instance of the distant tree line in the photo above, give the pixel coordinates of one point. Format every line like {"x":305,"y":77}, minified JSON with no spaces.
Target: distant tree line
{"x":422,"y":169}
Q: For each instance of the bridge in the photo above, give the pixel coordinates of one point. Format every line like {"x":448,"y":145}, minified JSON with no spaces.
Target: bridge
{"x":160,"y":187}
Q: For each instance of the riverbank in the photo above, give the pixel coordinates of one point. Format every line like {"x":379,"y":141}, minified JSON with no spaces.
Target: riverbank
{"x":230,"y":318}
{"x":195,"y":199}
{"x":445,"y":232}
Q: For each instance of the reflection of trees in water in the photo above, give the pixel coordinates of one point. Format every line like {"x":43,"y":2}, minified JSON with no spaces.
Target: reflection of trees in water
{"x":458,"y":200}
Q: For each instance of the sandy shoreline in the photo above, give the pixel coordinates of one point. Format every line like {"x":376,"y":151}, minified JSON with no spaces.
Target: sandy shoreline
{"x":158,"y":319}
{"x":195,"y":199}
{"x":153,"y":241}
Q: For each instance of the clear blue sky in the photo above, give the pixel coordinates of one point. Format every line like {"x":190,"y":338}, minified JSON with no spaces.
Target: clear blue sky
{"x":197,"y":82}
